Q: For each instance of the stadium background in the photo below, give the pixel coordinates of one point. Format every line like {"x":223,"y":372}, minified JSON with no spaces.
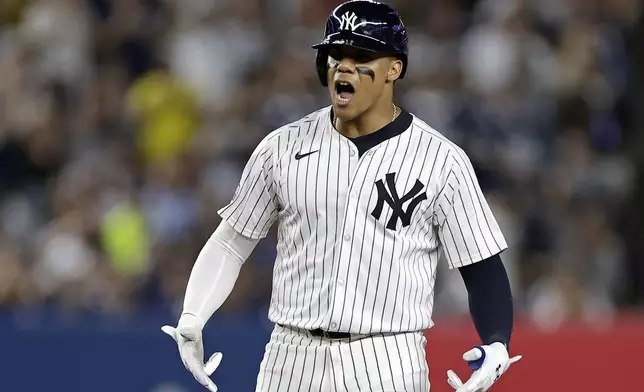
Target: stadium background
{"x":125,"y":125}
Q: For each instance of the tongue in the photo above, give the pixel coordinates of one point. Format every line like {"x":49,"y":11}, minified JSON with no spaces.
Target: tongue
{"x":346,"y":95}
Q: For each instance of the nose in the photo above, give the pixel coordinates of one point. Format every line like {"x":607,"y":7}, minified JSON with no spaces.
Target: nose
{"x":346,"y":65}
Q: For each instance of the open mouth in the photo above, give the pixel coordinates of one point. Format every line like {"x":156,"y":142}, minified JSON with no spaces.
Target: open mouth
{"x":344,"y":92}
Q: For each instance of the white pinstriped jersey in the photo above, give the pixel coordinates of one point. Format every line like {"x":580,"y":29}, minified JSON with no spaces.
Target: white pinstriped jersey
{"x":360,"y":232}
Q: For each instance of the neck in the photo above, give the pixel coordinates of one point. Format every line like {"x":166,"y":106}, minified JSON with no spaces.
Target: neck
{"x":368,"y":122}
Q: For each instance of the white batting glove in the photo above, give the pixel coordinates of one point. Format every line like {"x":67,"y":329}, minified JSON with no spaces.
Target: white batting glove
{"x":489,"y":362}
{"x":190,"y":342}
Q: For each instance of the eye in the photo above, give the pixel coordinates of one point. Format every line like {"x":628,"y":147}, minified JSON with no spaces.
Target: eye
{"x":357,"y":55}
{"x":335,"y":54}
{"x":365,"y":57}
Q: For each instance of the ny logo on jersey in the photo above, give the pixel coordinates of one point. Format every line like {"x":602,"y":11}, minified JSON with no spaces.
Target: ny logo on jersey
{"x":348,"y":21}
{"x":388,"y":193}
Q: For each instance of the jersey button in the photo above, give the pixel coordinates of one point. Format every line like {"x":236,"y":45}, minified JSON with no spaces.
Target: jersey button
{"x":352,"y":153}
{"x":341,"y":282}
{"x":347,"y":237}
{"x":334,"y":325}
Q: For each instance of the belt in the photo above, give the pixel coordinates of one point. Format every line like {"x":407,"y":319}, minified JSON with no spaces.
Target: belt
{"x":320,"y":333}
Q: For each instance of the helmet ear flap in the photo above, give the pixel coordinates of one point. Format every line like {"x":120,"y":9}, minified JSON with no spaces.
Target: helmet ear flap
{"x":322,"y":66}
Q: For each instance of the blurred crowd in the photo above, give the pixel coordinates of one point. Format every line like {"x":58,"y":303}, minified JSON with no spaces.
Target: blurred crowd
{"x":125,"y":125}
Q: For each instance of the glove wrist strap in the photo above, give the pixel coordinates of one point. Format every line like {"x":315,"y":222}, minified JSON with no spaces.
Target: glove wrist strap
{"x":190,"y":320}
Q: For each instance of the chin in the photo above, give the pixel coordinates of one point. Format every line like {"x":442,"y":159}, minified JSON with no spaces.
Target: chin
{"x":344,"y":112}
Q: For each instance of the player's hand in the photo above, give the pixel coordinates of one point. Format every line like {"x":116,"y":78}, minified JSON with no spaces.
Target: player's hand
{"x":190,"y":343}
{"x":489,"y":362}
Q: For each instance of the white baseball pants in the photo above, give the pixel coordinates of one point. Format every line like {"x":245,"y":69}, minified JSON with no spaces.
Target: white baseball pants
{"x":295,"y":361}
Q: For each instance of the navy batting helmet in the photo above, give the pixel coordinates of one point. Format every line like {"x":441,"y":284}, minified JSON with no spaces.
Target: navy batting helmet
{"x":363,"y":24}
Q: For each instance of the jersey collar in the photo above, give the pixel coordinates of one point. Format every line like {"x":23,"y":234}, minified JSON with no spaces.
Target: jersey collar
{"x":393,"y":129}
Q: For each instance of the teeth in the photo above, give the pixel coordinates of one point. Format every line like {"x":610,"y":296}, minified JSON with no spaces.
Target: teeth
{"x":343,"y":100}
{"x":339,"y":98}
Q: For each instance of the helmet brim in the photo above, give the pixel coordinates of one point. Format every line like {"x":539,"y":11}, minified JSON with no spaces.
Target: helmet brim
{"x":358,"y":41}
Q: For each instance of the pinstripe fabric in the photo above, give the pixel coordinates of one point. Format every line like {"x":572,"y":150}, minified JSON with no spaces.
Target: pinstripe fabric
{"x":359,"y":239}
{"x":338,"y":268}
{"x":296,"y":361}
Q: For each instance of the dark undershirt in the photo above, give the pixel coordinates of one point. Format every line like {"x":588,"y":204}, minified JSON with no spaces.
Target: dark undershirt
{"x":393,"y":129}
{"x":488,"y":287}
{"x":490,"y":299}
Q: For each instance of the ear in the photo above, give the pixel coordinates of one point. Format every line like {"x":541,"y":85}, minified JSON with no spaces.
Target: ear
{"x":395,"y":69}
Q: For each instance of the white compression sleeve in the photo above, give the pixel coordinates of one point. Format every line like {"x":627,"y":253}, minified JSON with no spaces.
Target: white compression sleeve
{"x":214,"y":274}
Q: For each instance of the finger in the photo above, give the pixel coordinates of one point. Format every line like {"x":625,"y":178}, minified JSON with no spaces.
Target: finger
{"x":200,"y":375}
{"x":207,"y":382}
{"x":452,"y":384}
{"x":473,"y":384}
{"x":213,"y":363}
{"x":454,"y":380}
{"x":475,"y":357}
{"x":211,"y":386}
{"x":462,"y":389}
{"x":473,"y":387}
{"x":451,"y":376}
{"x":170,"y":331}
{"x":474,"y":354}
{"x":515,"y":359}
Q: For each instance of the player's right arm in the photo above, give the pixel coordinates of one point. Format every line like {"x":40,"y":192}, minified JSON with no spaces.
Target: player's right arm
{"x":246,"y":219}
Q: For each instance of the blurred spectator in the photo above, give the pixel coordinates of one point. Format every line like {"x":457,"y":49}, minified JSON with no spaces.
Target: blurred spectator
{"x":167,"y":112}
{"x":64,"y":261}
{"x":15,"y":286}
{"x":125,"y":126}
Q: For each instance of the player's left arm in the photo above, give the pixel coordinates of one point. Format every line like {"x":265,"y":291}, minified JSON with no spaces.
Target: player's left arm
{"x":472,"y":242}
{"x":490,"y":301}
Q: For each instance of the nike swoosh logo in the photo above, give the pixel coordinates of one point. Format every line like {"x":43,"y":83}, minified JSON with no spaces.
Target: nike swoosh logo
{"x":299,"y":156}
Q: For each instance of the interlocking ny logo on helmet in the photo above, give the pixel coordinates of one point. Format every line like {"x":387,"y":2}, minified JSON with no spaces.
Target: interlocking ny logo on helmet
{"x":348,"y":21}
{"x":367,"y":25}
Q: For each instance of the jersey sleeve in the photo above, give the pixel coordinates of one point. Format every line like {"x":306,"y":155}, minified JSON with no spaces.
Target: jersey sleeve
{"x":253,"y":208}
{"x":467,"y":229}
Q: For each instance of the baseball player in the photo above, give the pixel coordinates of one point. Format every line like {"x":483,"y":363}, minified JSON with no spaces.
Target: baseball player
{"x":366,"y":196}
